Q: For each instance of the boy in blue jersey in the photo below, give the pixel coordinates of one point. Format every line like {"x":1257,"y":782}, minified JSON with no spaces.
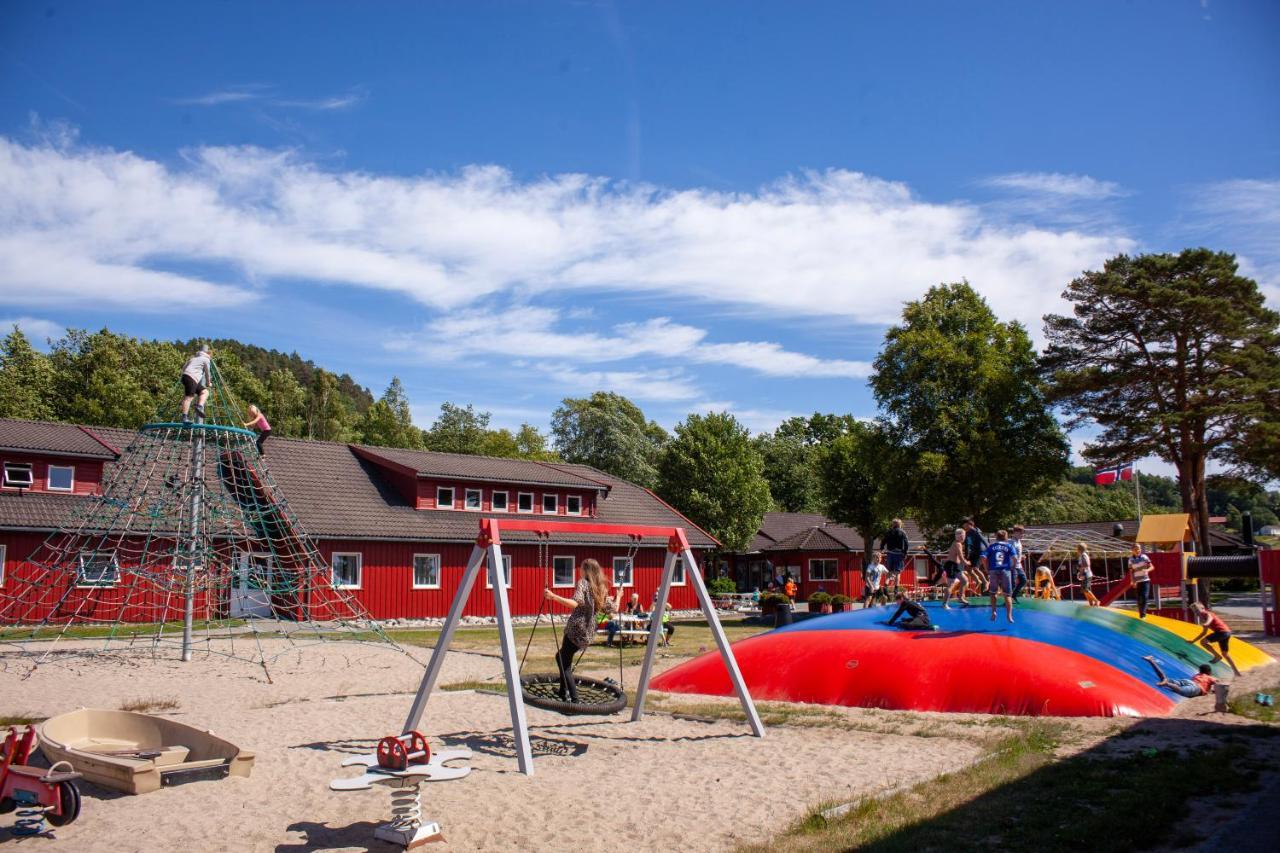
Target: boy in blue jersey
{"x":999,"y":559}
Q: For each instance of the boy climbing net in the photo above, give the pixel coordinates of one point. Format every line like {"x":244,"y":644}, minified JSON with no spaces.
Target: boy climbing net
{"x":196,"y":379}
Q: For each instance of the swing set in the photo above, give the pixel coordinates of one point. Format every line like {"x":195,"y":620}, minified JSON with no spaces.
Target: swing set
{"x":542,"y":690}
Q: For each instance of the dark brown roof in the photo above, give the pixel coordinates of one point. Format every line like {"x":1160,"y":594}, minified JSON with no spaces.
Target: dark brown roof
{"x":489,"y":469}
{"x":820,"y":539}
{"x":1219,"y":538}
{"x":808,"y":531}
{"x":336,"y":494}
{"x":50,"y":439}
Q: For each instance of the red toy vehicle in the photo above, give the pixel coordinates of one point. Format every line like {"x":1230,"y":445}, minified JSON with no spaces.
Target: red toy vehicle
{"x":41,"y":794}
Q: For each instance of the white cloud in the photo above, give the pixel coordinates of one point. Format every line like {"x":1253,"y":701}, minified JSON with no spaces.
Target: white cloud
{"x":36,"y":329}
{"x":213,"y":99}
{"x":1245,"y":215}
{"x":658,"y":386}
{"x":834,"y":244}
{"x":262,"y":93}
{"x":530,"y":332}
{"x":1056,"y":184}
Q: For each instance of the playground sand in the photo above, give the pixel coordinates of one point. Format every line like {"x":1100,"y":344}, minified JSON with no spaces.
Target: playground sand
{"x":599,"y":783}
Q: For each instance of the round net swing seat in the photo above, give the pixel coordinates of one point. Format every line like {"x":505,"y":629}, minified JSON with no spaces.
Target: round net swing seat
{"x":542,"y":690}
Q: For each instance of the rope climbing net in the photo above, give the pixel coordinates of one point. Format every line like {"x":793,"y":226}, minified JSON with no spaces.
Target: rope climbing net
{"x":190,"y":545}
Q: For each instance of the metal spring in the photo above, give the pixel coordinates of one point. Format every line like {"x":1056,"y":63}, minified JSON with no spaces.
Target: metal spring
{"x":406,"y":807}
{"x":30,"y":822}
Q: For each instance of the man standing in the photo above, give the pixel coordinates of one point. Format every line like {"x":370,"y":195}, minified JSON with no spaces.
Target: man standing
{"x":1019,"y":568}
{"x":894,"y":543}
{"x":195,"y":383}
{"x":975,"y":545}
{"x":999,"y":561}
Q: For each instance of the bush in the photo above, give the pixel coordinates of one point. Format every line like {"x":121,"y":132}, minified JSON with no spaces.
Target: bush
{"x":770,"y":600}
{"x":722,"y":586}
{"x":840,"y":598}
{"x":818,"y":599}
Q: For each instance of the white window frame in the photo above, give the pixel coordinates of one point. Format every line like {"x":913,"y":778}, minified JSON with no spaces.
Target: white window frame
{"x":631,"y":572}
{"x":466,"y":499}
{"x":520,"y":495}
{"x":452,"y":494}
{"x":683,"y":572}
{"x":573,"y":570}
{"x":568,"y":505}
{"x":413,"y":578}
{"x":48,"y":478}
{"x":81,"y":583}
{"x":4,"y":555}
{"x":333,"y":572}
{"x":832,"y":560}
{"x":555,"y":504}
{"x":27,"y":466}
{"x":506,"y":502}
{"x":506,"y":572}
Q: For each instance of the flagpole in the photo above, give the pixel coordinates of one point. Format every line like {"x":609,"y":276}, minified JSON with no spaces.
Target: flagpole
{"x":1137,"y":491}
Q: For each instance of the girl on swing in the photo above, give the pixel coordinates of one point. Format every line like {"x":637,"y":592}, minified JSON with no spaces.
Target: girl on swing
{"x":590,"y":596}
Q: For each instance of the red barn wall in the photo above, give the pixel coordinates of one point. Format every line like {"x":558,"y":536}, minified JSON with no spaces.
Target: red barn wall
{"x":88,"y":472}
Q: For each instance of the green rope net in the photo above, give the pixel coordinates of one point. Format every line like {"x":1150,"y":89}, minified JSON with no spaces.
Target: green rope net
{"x":190,"y":546}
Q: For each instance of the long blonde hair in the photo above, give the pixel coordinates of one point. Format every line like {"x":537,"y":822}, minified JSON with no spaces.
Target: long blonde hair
{"x":594,"y":577}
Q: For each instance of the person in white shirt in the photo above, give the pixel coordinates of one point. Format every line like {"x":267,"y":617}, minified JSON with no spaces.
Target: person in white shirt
{"x":195,"y":382}
{"x":875,"y":577}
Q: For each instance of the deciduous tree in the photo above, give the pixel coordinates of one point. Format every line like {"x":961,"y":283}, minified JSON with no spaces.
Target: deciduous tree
{"x":856,"y":483}
{"x":609,"y":432}
{"x":26,"y":379}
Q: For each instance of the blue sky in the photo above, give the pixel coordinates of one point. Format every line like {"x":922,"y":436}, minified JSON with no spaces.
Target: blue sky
{"x":699,"y":205}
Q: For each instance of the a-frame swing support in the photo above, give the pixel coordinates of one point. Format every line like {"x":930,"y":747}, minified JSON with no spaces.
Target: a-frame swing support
{"x":488,"y":550}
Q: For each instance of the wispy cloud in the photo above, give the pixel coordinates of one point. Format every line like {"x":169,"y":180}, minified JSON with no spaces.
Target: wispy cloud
{"x":265,"y":94}
{"x":95,"y":226}
{"x":657,"y":386}
{"x":1057,"y":184}
{"x":526,"y":331}
{"x":1244,"y":215}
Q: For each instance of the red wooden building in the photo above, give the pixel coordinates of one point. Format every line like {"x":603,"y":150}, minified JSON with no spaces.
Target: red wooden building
{"x":396,"y":526}
{"x":819,"y":553}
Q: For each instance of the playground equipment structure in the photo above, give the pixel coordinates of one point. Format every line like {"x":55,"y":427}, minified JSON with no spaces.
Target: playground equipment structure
{"x":39,"y":795}
{"x":190,"y":545}
{"x":488,"y":552}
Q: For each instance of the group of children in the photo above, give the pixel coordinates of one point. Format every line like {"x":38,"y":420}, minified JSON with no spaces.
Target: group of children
{"x":197,"y":378}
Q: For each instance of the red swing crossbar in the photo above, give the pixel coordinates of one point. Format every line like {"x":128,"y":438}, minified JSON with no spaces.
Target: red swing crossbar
{"x":490,"y":533}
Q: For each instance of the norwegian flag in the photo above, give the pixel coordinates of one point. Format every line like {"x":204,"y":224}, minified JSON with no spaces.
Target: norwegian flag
{"x":1107,"y":476}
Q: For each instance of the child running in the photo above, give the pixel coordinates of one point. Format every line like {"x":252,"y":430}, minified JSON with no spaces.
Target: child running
{"x":998,"y":559}
{"x":258,"y":421}
{"x":1200,"y":684}
{"x":1214,"y":630}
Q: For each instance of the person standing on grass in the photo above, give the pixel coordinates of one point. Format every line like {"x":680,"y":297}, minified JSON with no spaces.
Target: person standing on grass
{"x":196,"y":379}
{"x":1200,"y":684}
{"x":954,"y":567}
{"x":258,"y":421}
{"x":1084,"y":573}
{"x":895,"y":545}
{"x":589,"y":597}
{"x":1214,"y":630}
{"x":1019,"y":570}
{"x":975,"y":545}
{"x":998,"y":560}
{"x":1140,"y":572}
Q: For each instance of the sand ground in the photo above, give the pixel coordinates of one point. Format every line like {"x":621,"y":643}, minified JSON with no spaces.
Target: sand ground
{"x":599,"y":783}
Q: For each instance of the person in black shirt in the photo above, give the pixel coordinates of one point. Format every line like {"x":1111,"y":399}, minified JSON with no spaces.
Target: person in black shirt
{"x":894,"y":544}
{"x":975,"y":545}
{"x":918,"y":617}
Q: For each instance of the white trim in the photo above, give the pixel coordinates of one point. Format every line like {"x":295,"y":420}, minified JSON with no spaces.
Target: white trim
{"x":567,"y":509}
{"x":555,"y":503}
{"x":631,"y":573}
{"x":466,"y":499}
{"x":506,"y":501}
{"x":519,"y":495}
{"x":684,"y":572}
{"x":834,"y":560}
{"x":48,"y":478}
{"x":31,"y":475}
{"x":506,"y":572}
{"x":4,"y":555}
{"x":573,"y":571}
{"x":80,"y":584}
{"x":413,"y":574}
{"x":333,"y":573}
{"x":453,"y":493}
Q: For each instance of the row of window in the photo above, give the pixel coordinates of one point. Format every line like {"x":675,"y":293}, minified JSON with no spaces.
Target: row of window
{"x":348,"y":571}
{"x":820,"y":569}
{"x":473,"y":499}
{"x":20,"y":475}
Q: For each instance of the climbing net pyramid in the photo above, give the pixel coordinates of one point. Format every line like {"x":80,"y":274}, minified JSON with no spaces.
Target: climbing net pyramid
{"x":191,"y":546}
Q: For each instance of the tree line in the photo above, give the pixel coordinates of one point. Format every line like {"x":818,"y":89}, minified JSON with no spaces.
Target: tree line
{"x":1174,"y":356}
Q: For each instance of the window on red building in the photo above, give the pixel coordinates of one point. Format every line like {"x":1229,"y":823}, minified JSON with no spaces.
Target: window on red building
{"x":824,"y":570}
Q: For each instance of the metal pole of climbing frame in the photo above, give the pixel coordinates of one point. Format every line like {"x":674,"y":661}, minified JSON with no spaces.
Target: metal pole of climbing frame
{"x":193,"y":547}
